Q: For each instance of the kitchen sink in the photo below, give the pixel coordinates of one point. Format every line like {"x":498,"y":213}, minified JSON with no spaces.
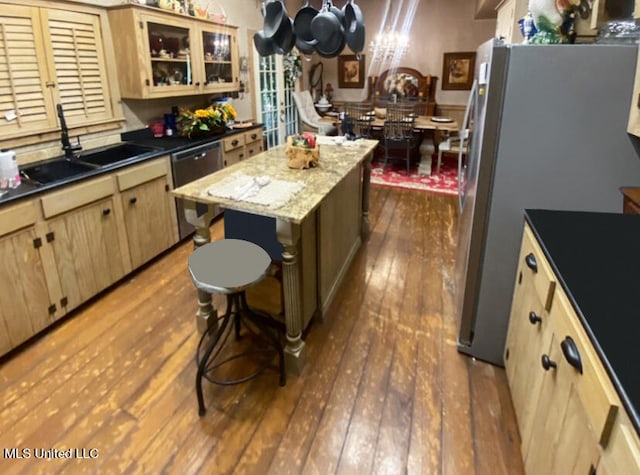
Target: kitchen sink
{"x":54,"y":170}
{"x":114,"y":154}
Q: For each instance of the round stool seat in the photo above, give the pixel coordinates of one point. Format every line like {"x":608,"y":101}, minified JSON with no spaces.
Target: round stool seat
{"x":228,"y":265}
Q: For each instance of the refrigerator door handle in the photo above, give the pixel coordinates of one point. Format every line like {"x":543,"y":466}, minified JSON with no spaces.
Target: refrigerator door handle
{"x":471,"y":106}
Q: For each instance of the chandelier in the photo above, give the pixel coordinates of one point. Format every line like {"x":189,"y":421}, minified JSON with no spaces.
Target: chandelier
{"x":389,"y":45}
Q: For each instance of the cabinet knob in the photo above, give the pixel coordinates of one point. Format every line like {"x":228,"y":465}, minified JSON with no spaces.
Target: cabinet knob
{"x":531,"y":262}
{"x":133,"y":200}
{"x":106,"y":211}
{"x":571,"y":353}
{"x":234,"y":143}
{"x":254,"y":136}
{"x":198,"y":84}
{"x":534,"y":318}
{"x":548,"y":363}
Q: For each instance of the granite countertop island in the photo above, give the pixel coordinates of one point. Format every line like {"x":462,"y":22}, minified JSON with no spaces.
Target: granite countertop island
{"x":320,"y":228}
{"x":596,"y":257}
{"x":336,"y":161}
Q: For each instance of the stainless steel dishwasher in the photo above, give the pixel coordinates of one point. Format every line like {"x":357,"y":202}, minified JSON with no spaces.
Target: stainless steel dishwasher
{"x":189,"y":165}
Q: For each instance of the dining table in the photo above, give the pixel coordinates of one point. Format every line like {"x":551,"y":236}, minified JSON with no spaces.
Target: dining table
{"x":421,"y":122}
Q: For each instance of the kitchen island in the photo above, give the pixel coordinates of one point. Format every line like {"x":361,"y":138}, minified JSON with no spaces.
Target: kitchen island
{"x":320,"y":228}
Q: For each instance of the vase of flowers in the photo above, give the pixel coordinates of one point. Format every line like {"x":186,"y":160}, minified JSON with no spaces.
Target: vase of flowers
{"x":210,"y":121}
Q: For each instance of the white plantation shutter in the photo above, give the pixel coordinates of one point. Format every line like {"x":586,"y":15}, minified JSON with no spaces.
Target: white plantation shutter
{"x":78,"y":61}
{"x":23,"y":73}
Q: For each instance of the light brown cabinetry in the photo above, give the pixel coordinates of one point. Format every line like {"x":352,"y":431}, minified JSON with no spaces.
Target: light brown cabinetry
{"x":163,"y":54}
{"x":61,"y":249}
{"x":82,"y":224}
{"x":54,"y":55}
{"x":149,"y":210}
{"x":241,"y":146}
{"x":570,"y":416}
{"x":25,"y":304}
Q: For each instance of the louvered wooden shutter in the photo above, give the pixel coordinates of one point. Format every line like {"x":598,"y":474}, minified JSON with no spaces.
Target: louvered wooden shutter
{"x":23,"y":73}
{"x":80,"y":71}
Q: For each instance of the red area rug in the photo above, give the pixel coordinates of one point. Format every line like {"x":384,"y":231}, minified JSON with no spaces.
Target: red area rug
{"x":445,"y":183}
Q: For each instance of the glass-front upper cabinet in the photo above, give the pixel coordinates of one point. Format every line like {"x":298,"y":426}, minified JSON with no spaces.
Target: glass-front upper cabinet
{"x":165,"y":54}
{"x":169,"y":55}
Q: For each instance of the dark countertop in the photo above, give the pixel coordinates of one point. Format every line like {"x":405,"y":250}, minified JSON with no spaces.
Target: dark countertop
{"x":143,"y":137}
{"x":596,"y":257}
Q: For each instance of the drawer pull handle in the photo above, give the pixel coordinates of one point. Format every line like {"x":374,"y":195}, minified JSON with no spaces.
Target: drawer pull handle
{"x":571,"y":353}
{"x":106,"y":211}
{"x":534,"y":318}
{"x":254,"y":136}
{"x":133,"y":200}
{"x":234,"y":143}
{"x":531,"y":262}
{"x":548,"y":363}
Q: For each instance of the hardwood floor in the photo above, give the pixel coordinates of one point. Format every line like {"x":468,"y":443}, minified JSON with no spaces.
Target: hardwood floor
{"x":384,"y":391}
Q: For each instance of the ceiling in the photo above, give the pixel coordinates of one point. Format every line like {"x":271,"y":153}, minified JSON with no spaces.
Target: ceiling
{"x":486,"y":9}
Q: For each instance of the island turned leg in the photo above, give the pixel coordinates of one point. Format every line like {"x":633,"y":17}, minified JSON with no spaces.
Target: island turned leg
{"x":288,"y":235}
{"x":366,"y":185}
{"x":207,"y":314}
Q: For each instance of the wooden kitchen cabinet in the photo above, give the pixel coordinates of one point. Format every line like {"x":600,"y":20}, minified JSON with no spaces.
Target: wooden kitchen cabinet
{"x":149,"y":209}
{"x":633,"y":126}
{"x":241,"y":146}
{"x":570,"y":417}
{"x":86,"y":242}
{"x":25,"y":304}
{"x":55,"y":55}
{"x":163,"y":54}
{"x":529,"y":333}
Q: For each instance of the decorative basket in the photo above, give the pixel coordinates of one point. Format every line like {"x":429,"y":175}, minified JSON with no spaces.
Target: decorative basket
{"x":215,"y":12}
{"x":301,"y":157}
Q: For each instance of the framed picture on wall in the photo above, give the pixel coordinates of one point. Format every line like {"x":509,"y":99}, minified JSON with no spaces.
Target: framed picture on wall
{"x":351,"y":71}
{"x":458,"y":70}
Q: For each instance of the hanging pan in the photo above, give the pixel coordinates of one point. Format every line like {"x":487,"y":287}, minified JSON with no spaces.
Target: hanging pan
{"x":328,"y":31}
{"x":353,"y":26}
{"x":285,"y":38}
{"x":305,"y":40}
{"x":264,"y":45}
{"x":274,"y":16}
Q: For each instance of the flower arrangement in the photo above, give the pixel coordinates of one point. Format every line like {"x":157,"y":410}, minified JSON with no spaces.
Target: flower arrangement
{"x":206,"y":121}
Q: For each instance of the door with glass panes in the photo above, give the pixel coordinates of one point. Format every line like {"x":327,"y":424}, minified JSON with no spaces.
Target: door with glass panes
{"x":274,"y":102}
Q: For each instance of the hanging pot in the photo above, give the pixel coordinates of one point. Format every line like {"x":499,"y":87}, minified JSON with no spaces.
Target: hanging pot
{"x":328,"y":31}
{"x":305,"y":40}
{"x":264,"y":45}
{"x":337,"y":12}
{"x":285,"y":39}
{"x":274,"y":17}
{"x":354,"y":26}
{"x":331,"y":49}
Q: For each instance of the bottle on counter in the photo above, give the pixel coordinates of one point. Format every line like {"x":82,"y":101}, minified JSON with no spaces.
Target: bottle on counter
{"x":9,"y":173}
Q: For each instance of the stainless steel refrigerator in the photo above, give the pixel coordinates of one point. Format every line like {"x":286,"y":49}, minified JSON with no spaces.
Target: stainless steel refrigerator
{"x":547,"y":130}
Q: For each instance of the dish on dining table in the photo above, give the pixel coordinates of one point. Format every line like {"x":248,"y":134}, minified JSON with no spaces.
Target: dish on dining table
{"x":441,"y":119}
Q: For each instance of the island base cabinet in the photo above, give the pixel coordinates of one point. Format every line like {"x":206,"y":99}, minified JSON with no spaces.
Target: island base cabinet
{"x":87,"y":252}
{"x":25,"y":305}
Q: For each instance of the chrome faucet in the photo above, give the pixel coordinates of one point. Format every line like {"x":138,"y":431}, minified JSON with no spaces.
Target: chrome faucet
{"x":64,"y":136}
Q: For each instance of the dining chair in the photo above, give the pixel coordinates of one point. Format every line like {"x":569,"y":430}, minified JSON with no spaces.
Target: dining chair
{"x":309,"y":117}
{"x":452,"y":145}
{"x":398,"y":135}
{"x":357,"y":119}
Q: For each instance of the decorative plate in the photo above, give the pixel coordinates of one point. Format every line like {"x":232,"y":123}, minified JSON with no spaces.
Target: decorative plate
{"x":443,"y":120}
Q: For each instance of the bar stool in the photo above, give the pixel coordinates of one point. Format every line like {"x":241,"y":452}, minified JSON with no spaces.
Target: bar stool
{"x":230,"y":266}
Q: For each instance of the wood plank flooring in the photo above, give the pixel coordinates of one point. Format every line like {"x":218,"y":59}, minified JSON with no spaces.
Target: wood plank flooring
{"x":384,"y":391}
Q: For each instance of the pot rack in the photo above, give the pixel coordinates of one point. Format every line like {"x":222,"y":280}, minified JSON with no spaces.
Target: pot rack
{"x":326,"y":31}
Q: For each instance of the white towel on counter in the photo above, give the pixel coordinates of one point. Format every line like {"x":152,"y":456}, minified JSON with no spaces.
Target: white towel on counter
{"x":260,"y":190}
